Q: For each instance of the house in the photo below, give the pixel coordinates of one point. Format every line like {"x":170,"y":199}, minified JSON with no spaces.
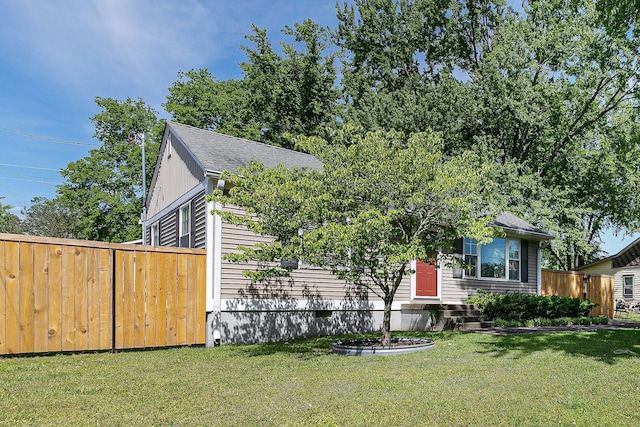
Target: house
{"x":312,"y":301}
{"x":625,"y":269}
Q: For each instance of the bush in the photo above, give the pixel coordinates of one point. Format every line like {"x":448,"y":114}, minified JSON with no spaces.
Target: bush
{"x":600,"y":320}
{"x":522,"y":307}
{"x":501,"y":323}
{"x":543,"y":321}
{"x":582,"y":321}
{"x":562,"y":321}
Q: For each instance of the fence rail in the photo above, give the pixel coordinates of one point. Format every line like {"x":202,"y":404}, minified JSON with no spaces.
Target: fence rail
{"x":59,"y":295}
{"x":599,"y":288}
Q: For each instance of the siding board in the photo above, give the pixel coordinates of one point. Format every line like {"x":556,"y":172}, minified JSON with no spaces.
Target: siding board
{"x":200,"y":221}
{"x":313,"y":284}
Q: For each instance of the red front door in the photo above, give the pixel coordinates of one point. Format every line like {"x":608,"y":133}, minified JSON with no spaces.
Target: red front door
{"x":426,"y":280}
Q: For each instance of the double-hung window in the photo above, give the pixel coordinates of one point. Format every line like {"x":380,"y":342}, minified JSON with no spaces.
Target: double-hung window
{"x":155,"y":234}
{"x":185,"y":226}
{"x":470,"y":256}
{"x":627,"y":286}
{"x":499,"y":259}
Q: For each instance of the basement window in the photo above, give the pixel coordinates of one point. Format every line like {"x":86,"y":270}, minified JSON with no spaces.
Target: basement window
{"x":323,"y":314}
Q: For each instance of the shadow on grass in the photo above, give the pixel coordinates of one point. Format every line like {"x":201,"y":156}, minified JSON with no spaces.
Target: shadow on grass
{"x":307,"y":348}
{"x":607,"y":346}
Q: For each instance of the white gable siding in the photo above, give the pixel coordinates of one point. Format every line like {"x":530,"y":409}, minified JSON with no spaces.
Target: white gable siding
{"x":177,"y":172}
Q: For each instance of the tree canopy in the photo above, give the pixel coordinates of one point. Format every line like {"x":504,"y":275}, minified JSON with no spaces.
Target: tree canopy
{"x":9,"y":222}
{"x":380,"y":201}
{"x":546,"y":93}
{"x":105,"y":188}
{"x":543,"y":93}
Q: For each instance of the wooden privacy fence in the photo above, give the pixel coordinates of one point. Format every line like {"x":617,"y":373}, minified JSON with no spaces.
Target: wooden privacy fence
{"x":59,"y":295}
{"x":599,"y":288}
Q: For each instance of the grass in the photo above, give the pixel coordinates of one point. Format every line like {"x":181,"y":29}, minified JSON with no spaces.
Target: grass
{"x":551,"y":379}
{"x":634,"y":316}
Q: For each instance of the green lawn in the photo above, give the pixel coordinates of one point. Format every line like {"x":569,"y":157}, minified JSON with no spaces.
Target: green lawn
{"x":553,"y":379}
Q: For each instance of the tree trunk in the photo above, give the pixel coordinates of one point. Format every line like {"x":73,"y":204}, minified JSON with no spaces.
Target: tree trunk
{"x":386,"y":322}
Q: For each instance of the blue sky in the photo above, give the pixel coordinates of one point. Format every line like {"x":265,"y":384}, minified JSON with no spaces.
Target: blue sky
{"x":56,"y":57}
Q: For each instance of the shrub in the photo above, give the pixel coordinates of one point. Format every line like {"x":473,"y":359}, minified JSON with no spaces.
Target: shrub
{"x":582,"y":321}
{"x":501,"y":323}
{"x":543,"y":321}
{"x":600,"y":320}
{"x":522,"y":307}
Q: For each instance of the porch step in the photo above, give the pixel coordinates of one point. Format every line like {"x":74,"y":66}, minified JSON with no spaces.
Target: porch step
{"x":475,"y":325}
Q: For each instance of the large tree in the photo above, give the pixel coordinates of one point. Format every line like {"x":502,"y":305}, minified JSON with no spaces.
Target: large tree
{"x":49,"y":218}
{"x":198,"y":99}
{"x":544,"y":93}
{"x":379,"y":202}
{"x":105,"y":188}
{"x":293,"y":93}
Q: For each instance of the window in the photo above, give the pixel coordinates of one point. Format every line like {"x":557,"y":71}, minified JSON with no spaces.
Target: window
{"x":492,"y":259}
{"x":627,"y":286}
{"x":499,"y":259}
{"x":470,"y":256}
{"x":185,"y":225}
{"x":514,"y":259}
{"x":155,"y":235}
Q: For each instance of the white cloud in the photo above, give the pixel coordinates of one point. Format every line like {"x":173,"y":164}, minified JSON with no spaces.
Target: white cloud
{"x":121,"y":48}
{"x":117,"y":46}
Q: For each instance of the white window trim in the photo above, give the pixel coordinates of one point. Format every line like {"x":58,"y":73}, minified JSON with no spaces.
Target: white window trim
{"x":478,"y":256}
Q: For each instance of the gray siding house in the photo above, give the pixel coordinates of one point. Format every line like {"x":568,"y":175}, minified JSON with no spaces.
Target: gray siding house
{"x":625,"y":269}
{"x":312,"y":301}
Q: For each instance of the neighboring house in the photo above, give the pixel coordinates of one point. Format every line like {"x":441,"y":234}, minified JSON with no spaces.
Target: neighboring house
{"x":625,"y":269}
{"x":312,"y":301}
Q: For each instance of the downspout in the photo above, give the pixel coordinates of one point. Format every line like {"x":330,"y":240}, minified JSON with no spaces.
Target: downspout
{"x":217,"y":270}
{"x":214,"y":259}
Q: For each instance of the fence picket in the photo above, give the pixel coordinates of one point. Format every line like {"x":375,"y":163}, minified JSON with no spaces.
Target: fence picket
{"x":41,"y":297}
{"x":150,"y":303}
{"x":54,"y":332}
{"x":80,"y":299}
{"x":58,"y":295}
{"x":12,"y":282}
{"x":140,"y":258}
{"x":3,"y":300}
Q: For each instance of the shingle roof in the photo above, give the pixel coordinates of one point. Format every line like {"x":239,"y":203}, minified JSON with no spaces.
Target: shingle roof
{"x":511,"y":223}
{"x":629,"y":255}
{"x":218,"y":152}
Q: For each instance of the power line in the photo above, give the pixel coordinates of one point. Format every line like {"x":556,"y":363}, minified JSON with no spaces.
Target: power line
{"x":43,"y":138}
{"x":29,"y":167}
{"x":31,"y":180}
{"x":12,"y":195}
